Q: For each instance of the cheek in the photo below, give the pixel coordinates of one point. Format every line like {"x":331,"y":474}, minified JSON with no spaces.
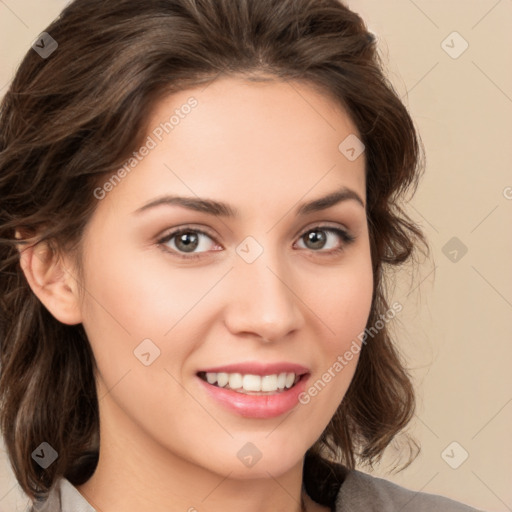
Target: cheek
{"x":354,"y":303}
{"x":130,"y":301}
{"x":345,"y":299}
{"x":344,"y":307}
{"x":136,"y":298}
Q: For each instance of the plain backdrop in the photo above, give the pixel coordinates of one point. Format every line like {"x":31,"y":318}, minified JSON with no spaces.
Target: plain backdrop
{"x":450,"y":62}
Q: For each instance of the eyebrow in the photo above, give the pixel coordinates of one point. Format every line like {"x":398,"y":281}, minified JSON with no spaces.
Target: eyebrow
{"x":221,"y":209}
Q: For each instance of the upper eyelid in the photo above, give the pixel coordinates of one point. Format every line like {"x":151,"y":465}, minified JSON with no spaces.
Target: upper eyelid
{"x":323,"y":225}
{"x":176,"y":231}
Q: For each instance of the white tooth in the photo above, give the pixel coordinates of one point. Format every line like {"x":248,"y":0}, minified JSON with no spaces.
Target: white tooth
{"x":235,"y":380}
{"x":269,"y":383}
{"x":281,"y":381}
{"x":222,"y":379}
{"x":211,"y":378}
{"x":252,"y":382}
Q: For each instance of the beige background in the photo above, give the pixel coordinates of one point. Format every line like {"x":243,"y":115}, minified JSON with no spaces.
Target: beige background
{"x":456,"y":324}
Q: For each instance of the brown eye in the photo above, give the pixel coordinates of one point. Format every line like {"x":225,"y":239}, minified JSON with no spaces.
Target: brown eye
{"x":316,"y":239}
{"x":186,"y":242}
{"x":326,"y":239}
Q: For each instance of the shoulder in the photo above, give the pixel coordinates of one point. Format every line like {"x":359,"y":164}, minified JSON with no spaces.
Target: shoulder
{"x":63,"y":497}
{"x":365,"y":493}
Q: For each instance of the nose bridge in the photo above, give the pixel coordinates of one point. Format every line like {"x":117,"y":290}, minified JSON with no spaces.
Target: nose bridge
{"x":262,"y":300}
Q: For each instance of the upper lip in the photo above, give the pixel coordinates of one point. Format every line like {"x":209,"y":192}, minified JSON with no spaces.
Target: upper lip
{"x":258,"y":368}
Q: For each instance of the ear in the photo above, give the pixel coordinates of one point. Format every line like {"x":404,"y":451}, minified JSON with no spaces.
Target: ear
{"x":52,"y":280}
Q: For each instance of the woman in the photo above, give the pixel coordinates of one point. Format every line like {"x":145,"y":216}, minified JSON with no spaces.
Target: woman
{"x":199,"y":204}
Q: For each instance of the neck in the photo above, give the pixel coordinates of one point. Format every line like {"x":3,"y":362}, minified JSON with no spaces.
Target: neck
{"x":135,"y":473}
{"x":191,"y":489}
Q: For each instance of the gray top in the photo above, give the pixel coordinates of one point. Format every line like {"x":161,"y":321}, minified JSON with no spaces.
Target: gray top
{"x":358,"y":493}
{"x":365,"y":493}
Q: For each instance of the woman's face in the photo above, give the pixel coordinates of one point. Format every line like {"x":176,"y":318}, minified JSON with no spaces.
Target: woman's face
{"x":264,"y":278}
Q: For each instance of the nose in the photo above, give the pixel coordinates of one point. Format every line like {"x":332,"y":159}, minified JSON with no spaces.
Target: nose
{"x":262,"y":300}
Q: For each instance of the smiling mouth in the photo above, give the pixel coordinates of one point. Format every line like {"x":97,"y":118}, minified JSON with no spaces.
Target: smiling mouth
{"x":249,"y":384}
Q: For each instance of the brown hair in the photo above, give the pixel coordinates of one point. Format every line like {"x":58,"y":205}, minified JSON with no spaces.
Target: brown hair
{"x":72,"y":118}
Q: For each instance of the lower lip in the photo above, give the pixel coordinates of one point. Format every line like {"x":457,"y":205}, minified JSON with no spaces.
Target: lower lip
{"x":257,"y":406}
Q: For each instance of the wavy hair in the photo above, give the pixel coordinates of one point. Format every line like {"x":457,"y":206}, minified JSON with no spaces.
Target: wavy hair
{"x":71,"y":119}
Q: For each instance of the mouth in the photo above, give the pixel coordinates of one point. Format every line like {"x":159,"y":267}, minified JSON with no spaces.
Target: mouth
{"x":251,"y":384}
{"x":255,"y":389}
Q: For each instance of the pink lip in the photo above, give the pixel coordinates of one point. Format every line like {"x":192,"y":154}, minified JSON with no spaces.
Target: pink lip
{"x":257,"y":368}
{"x":256,"y":406}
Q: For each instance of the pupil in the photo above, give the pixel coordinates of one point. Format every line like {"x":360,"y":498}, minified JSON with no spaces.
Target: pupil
{"x":188,"y":241}
{"x":317,"y":238}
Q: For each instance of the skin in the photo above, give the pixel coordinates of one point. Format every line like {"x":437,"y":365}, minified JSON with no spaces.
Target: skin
{"x":263,"y":148}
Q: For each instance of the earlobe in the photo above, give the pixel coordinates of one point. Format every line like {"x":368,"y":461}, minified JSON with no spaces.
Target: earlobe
{"x":52,"y":282}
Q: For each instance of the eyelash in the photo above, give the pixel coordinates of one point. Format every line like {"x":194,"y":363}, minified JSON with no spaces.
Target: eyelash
{"x":344,"y":235}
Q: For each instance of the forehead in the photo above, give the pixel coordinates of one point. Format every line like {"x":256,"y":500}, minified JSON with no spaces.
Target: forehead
{"x":234,"y":138}
{"x":296,"y":111}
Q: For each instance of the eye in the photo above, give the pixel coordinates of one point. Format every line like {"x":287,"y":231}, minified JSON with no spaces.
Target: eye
{"x":326,"y":239}
{"x":188,"y":242}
